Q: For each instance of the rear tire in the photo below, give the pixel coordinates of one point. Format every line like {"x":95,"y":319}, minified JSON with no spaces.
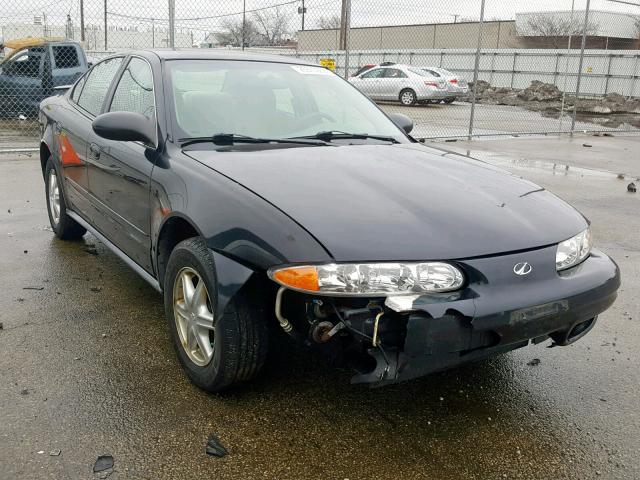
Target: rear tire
{"x":222,"y":350}
{"x":65,"y":227}
{"x":449,"y":100}
{"x":408,"y":97}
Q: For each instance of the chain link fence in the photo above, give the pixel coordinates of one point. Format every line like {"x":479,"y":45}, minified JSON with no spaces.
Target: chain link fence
{"x":459,"y":69}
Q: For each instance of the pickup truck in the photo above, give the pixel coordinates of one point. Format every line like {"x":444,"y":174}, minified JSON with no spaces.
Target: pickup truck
{"x":34,"y":70}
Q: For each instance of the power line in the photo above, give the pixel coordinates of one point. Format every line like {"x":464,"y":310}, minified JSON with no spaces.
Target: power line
{"x":623,"y":2}
{"x":240,"y":12}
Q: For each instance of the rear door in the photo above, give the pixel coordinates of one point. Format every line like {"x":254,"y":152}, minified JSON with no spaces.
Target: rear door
{"x":73,"y":129}
{"x":120,"y":172}
{"x":67,"y":64}
{"x":392,"y":81}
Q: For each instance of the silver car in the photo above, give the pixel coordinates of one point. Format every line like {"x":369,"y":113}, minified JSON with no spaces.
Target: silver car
{"x":456,"y":85}
{"x":404,"y":83}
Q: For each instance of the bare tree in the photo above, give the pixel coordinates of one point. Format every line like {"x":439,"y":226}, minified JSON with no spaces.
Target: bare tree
{"x":555,"y":28}
{"x":232,"y":34}
{"x":329,"y":23}
{"x":272,"y":26}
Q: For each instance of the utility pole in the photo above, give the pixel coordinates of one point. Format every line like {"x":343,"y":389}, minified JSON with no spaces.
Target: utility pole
{"x":153,"y":33}
{"x":302,"y":10}
{"x":244,"y":21}
{"x":105,"y":25}
{"x":345,"y":28}
{"x":455,"y":17}
{"x":82,"y":20}
{"x":476,"y":68}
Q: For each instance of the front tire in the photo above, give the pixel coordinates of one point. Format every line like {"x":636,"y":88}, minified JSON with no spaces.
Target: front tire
{"x":216,"y":349}
{"x":65,"y":227}
{"x":408,"y":97}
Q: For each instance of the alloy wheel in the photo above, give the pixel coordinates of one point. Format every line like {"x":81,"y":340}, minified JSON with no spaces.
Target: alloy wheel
{"x":54,"y":197}
{"x":407,"y":98}
{"x":193,"y":316}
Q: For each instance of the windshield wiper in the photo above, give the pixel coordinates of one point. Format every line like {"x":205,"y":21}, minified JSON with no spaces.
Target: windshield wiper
{"x":329,"y":135}
{"x":232,"y":138}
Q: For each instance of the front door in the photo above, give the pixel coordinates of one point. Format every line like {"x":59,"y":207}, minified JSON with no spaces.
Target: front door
{"x":369,"y":83}
{"x":120,"y":172}
{"x":21,"y":88}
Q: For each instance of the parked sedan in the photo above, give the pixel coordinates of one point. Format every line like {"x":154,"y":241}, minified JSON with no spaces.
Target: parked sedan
{"x":457,"y":86}
{"x":257,"y":191}
{"x":404,"y":83}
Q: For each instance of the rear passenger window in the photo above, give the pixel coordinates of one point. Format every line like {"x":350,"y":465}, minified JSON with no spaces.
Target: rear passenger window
{"x":97,"y":85}
{"x":65,"y":57}
{"x":77,"y":89}
{"x":134,"y":92}
{"x":394,"y":73}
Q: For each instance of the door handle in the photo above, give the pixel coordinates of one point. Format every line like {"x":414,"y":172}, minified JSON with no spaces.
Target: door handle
{"x":95,"y":150}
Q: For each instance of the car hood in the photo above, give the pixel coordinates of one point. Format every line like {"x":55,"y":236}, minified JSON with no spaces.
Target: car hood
{"x":400,"y":202}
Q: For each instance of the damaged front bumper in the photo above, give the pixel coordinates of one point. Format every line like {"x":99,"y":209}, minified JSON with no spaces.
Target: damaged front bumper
{"x":497,"y":312}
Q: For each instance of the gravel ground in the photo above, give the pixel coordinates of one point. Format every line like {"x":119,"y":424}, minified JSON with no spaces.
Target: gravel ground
{"x":86,"y":367}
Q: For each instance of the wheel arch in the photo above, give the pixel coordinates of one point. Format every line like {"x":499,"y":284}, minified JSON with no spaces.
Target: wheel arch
{"x":231,"y":275}
{"x":45,"y":153}
{"x":173,"y":230}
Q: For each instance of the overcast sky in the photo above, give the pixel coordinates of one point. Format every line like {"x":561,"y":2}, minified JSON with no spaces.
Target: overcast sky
{"x":364,"y":12}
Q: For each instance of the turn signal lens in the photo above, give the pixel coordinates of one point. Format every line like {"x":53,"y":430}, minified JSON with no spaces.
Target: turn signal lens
{"x":371,"y":279}
{"x":299,"y":278}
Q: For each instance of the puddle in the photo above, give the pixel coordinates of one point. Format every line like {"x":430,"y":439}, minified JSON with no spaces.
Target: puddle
{"x":555,"y":168}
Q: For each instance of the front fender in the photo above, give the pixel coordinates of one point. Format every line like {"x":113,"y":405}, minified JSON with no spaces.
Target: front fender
{"x":231,"y":277}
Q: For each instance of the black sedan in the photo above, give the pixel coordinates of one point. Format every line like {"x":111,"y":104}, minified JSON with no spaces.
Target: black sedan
{"x":250,"y":189}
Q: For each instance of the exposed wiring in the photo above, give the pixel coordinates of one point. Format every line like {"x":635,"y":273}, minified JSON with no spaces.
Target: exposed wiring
{"x":348,"y":326}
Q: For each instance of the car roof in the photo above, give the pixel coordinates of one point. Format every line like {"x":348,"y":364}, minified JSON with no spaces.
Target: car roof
{"x":218,"y":54}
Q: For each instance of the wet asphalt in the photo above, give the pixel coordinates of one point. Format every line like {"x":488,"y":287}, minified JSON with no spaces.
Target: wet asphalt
{"x":86,"y":368}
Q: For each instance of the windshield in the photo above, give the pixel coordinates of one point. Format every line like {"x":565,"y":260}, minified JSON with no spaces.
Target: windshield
{"x":261,"y":99}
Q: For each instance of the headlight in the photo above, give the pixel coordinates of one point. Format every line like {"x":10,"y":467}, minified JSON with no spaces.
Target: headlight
{"x":574,"y":250}
{"x":370,"y":279}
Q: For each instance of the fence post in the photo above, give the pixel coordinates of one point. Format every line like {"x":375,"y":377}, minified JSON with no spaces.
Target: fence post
{"x":584,"y":41}
{"x":475,"y":71}
{"x":172,"y":23}
{"x":513,"y":69}
{"x":606,"y":83}
{"x":566,"y":70}
{"x":82,"y":21}
{"x":634,"y":77}
{"x":105,"y":25}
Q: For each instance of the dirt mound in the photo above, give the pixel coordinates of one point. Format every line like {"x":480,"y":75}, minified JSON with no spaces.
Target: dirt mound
{"x":540,"y":92}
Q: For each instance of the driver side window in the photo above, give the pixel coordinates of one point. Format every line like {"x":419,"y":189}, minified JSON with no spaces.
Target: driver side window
{"x":26,"y":64}
{"x":134,"y":92}
{"x":375,"y":73}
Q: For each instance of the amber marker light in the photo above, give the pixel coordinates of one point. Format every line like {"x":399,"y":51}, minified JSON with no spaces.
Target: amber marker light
{"x":299,"y":278}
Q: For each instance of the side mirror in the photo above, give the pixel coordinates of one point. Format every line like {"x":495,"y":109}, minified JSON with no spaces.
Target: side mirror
{"x":402,"y":121}
{"x":125,"y":127}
